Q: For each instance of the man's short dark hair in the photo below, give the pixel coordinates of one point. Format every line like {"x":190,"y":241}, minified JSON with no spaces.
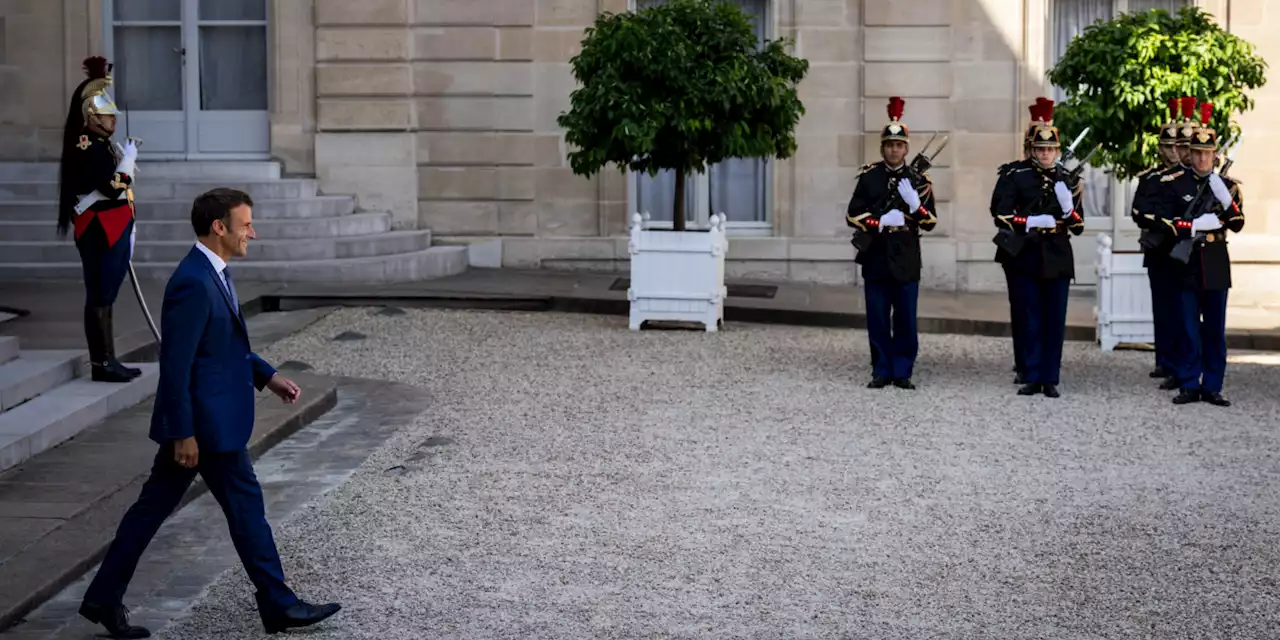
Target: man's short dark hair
{"x":216,"y":204}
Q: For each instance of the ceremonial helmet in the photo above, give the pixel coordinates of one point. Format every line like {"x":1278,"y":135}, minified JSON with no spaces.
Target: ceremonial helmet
{"x":1045,"y":134}
{"x":1204,"y":137}
{"x":1187,"y":127}
{"x":1037,"y":117}
{"x":1169,"y":130}
{"x":896,"y":129}
{"x":94,"y":99}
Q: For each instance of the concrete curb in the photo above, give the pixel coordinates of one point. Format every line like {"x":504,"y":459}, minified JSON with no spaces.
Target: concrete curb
{"x":285,"y":301}
{"x":61,"y":557}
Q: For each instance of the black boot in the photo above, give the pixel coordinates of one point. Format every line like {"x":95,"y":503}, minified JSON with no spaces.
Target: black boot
{"x":1030,"y":389}
{"x":109,"y":342}
{"x":98,"y":338}
{"x":1187,"y":396}
{"x":878,"y":382}
{"x":1051,"y":391}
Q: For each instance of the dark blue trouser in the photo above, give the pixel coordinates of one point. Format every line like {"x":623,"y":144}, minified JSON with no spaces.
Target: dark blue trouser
{"x":1166,"y":305}
{"x":891,"y":327}
{"x":1203,"y":361}
{"x":1016,"y":324}
{"x":104,"y":267}
{"x":1043,"y":303}
{"x":231,"y":480}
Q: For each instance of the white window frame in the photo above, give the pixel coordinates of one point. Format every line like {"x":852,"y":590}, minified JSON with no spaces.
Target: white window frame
{"x":700,"y":183}
{"x":1121,"y":191}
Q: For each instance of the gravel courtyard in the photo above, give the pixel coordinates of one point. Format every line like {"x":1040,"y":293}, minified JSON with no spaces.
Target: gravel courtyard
{"x":573,"y":479}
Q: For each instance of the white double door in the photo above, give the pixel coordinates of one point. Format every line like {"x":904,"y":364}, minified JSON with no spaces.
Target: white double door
{"x":190,"y":77}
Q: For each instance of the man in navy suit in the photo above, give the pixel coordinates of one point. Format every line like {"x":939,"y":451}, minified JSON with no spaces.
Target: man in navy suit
{"x":203,"y":419}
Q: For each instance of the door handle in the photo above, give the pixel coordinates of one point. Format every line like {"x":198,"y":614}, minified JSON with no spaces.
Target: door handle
{"x":180,"y":50}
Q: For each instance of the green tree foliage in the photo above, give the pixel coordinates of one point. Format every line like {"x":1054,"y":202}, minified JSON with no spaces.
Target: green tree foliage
{"x":680,"y":86}
{"x":1120,"y":74}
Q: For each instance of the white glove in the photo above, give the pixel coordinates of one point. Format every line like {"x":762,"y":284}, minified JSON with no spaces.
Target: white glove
{"x":1064,"y":198}
{"x":130,"y":159}
{"x":909,"y":194}
{"x":1220,"y":190}
{"x":1043,"y":221}
{"x":1206,"y":222}
{"x":893,"y":218}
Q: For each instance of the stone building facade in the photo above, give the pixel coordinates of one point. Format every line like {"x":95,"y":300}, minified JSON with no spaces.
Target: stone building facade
{"x":443,"y":112}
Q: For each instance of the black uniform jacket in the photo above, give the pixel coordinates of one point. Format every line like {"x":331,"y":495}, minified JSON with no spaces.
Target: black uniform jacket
{"x":94,"y":169}
{"x":894,"y":252}
{"x":1210,"y":266}
{"x":1027,"y":190}
{"x":1146,"y":201}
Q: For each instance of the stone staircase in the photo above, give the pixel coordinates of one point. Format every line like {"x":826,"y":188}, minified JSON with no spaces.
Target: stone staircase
{"x":302,"y":236}
{"x":46,"y":398}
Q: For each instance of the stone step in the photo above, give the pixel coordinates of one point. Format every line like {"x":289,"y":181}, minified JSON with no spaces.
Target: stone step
{"x":158,"y":171}
{"x":35,"y":372}
{"x":427,"y":264}
{"x":151,"y":190}
{"x":64,"y":411}
{"x":314,"y":207}
{"x":8,"y":348}
{"x":172,"y":251}
{"x":355,"y":224}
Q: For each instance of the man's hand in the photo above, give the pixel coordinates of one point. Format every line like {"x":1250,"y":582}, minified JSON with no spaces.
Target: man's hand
{"x":285,"y":388}
{"x":186,"y":452}
{"x":893,"y":218}
{"x":1220,"y":190}
{"x":1064,"y":198}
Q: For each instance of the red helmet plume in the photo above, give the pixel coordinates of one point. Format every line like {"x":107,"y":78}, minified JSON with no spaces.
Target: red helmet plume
{"x":1206,"y":113}
{"x":896,"y":106}
{"x":1174,"y":105}
{"x":1188,"y":107}
{"x":96,"y":67}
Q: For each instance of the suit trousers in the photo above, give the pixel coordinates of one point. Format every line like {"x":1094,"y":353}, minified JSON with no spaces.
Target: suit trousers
{"x":1203,"y":357}
{"x":1166,"y":309}
{"x":234,"y":485}
{"x":891,"y":327}
{"x":1043,"y":306}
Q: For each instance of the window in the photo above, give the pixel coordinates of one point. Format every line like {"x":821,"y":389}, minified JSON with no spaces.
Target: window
{"x":1070,"y":17}
{"x":737,"y":187}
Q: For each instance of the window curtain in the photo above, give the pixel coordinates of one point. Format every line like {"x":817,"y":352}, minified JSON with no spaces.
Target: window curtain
{"x":1070,"y":17}
{"x":737,"y":185}
{"x":1171,"y":6}
{"x":233,"y":73}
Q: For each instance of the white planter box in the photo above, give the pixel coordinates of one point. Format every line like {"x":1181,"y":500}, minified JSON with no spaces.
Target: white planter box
{"x":1123,"y":309}
{"x":677,"y":275}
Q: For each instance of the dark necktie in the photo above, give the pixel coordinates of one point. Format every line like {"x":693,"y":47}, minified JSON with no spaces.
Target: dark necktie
{"x":231,"y":288}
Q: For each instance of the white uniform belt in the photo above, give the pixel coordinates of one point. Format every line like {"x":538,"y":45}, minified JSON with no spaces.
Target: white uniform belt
{"x":88,"y":199}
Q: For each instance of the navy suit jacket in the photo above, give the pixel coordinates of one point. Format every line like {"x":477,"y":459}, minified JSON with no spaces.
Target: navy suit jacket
{"x":208,"y":374}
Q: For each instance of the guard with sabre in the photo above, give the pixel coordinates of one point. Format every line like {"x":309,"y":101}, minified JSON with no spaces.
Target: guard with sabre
{"x":1155,"y":243}
{"x":891,"y":204}
{"x":1199,"y":206}
{"x":1038,"y":206}
{"x":95,"y":197}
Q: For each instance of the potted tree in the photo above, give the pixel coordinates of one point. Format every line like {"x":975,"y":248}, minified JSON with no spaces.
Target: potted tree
{"x":679,"y":86}
{"x":1119,"y":75}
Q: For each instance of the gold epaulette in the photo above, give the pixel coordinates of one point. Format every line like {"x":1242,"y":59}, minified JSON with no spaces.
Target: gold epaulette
{"x":1144,"y":172}
{"x":866,"y":167}
{"x":1170,"y":177}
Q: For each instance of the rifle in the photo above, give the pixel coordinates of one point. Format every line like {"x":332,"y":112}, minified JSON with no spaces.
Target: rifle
{"x":921,"y":163}
{"x":1182,"y":250}
{"x":1012,"y":242}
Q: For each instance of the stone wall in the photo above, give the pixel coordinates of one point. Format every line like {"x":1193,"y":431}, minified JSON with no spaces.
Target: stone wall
{"x":42,"y":46}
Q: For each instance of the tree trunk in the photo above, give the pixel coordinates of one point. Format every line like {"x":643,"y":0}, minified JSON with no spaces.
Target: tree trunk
{"x":677,"y":211}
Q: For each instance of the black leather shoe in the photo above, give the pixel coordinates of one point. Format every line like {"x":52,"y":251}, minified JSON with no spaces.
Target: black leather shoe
{"x":114,"y":618}
{"x":1215,"y":399}
{"x":1030,"y":389}
{"x":301,"y":614}
{"x":1160,"y":372}
{"x":904,"y":383}
{"x":1169,"y":384}
{"x":878,"y":382}
{"x":1051,"y":391}
{"x":108,"y":373}
{"x":1186,"y":396}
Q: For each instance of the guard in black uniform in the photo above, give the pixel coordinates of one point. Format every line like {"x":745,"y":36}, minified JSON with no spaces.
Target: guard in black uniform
{"x":1003,"y":257}
{"x":891,"y":204}
{"x":1156,"y":245}
{"x":1039,"y":204}
{"x":96,"y":199}
{"x":1199,"y":206}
